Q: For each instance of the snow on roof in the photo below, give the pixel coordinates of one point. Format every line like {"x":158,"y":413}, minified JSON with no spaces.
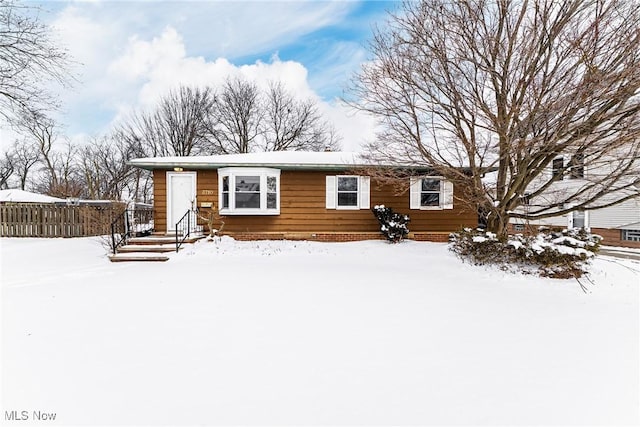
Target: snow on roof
{"x":277,"y":159}
{"x":20,"y":196}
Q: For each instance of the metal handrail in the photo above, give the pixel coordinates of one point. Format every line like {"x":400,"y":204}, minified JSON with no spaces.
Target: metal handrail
{"x":122,"y":237}
{"x":183,"y":233}
{"x":142,"y":225}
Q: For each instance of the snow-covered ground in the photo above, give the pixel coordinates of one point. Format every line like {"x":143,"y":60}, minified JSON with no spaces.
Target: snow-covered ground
{"x":300,"y":333}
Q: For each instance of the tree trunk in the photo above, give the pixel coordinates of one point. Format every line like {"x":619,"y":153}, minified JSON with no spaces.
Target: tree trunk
{"x":498,"y":223}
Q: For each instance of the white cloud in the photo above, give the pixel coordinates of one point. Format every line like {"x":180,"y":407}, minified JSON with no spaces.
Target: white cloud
{"x":7,"y":136}
{"x":333,"y":71}
{"x":90,"y":43}
{"x":214,"y":28}
{"x":161,"y":64}
{"x":133,"y":52}
{"x":87,"y":39}
{"x":141,"y":56}
{"x":236,"y":28}
{"x":357,"y":128}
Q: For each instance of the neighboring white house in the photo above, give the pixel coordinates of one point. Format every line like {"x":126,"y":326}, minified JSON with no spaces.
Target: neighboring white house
{"x":619,"y":224}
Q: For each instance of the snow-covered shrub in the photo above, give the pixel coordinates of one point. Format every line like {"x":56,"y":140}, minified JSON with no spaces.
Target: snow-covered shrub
{"x":557,"y":254}
{"x":393,"y":225}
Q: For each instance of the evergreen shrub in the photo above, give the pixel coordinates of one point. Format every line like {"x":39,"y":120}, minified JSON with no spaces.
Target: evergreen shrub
{"x":557,"y":254}
{"x":393,"y":225}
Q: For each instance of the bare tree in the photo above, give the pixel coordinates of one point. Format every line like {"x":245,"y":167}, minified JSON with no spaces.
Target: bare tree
{"x":25,"y":155}
{"x":474,"y":86}
{"x":7,"y":169}
{"x":140,"y":130}
{"x":140,"y":185}
{"x":104,"y":167}
{"x":177,"y":127}
{"x":292,"y":124}
{"x":234,"y":123}
{"x":41,"y":132}
{"x":28,"y":57}
{"x":57,"y":175}
{"x":182,"y":115}
{"x":236,"y":118}
{"x":64,"y":179}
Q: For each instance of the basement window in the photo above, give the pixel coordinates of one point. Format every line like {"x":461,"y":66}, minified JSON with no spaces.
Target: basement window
{"x":631,"y":235}
{"x":249,"y":191}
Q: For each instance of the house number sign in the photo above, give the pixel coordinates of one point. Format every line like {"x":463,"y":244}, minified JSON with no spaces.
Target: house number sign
{"x":208,"y":193}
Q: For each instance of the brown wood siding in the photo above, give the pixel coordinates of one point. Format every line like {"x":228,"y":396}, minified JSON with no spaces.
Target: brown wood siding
{"x":302,"y":208}
{"x":160,"y":200}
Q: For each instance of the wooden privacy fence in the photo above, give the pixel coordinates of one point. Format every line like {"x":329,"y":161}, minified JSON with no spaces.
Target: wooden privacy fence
{"x":45,"y":220}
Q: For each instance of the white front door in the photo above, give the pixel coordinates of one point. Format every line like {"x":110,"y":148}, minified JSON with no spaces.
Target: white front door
{"x":181,"y":196}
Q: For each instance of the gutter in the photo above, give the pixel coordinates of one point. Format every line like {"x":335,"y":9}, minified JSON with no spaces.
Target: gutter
{"x":281,"y":166}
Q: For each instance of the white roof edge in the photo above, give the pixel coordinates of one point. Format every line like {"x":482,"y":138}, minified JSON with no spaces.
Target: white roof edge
{"x":282,"y":160}
{"x":204,"y":165}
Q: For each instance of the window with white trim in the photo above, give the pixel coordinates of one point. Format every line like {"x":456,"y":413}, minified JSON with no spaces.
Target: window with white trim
{"x":272,"y":192}
{"x":430,"y":193}
{"x":249,"y":191}
{"x":347,"y":192}
{"x":224,"y":199}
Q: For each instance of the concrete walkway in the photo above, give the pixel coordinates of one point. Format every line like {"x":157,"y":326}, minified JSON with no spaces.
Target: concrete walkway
{"x":618,"y":252}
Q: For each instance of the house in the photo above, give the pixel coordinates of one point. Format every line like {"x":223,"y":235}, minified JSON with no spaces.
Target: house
{"x":619,"y":225}
{"x":325,"y":196}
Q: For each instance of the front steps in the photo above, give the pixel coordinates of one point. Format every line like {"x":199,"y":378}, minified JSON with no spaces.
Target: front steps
{"x":147,"y":248}
{"x":153,"y":248}
{"x":124,"y":257}
{"x":162,"y":240}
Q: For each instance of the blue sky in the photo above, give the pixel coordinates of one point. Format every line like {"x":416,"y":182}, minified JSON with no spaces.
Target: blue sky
{"x":129,"y":53}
